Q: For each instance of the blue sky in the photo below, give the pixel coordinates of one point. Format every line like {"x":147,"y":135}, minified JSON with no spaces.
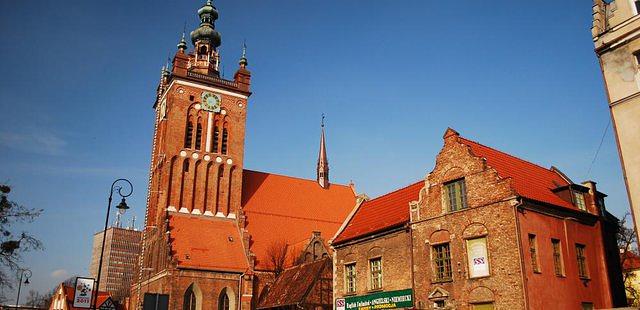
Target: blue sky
{"x":79,"y":79}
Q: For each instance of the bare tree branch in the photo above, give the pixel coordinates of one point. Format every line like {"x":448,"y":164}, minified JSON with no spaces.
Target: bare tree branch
{"x":277,"y":255}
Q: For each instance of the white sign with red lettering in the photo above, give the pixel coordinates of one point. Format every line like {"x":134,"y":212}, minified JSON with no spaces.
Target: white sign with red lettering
{"x":83,"y":292}
{"x":340,"y":304}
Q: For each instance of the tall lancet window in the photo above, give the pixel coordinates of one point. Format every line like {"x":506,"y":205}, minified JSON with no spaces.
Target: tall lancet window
{"x":216,"y":138}
{"x":188,"y":136}
{"x":189,"y":302}
{"x":198,"y":136}
{"x":225,"y":139}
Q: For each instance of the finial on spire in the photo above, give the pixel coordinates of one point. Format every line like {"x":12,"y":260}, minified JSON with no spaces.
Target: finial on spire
{"x":323,"y":162}
{"x":182,"y":45}
{"x":243,"y":60}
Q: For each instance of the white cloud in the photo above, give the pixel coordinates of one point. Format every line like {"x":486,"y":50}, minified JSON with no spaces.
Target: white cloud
{"x":60,"y":274}
{"x":41,"y":142}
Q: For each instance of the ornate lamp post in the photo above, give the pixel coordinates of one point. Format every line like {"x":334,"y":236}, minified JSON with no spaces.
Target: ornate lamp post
{"x":122,"y":208}
{"x":26,"y":273}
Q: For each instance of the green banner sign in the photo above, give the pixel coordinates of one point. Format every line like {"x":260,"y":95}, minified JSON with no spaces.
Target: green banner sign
{"x":382,"y":300}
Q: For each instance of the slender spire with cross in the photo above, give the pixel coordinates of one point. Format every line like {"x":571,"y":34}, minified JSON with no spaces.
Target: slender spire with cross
{"x":323,"y":162}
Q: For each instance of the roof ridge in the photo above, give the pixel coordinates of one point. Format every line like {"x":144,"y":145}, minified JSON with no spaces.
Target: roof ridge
{"x":505,"y":153}
{"x":292,"y":177}
{"x":293,"y":217}
{"x":395,"y":191}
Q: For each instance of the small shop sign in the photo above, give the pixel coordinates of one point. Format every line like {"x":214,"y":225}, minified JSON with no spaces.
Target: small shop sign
{"x":381,"y":300}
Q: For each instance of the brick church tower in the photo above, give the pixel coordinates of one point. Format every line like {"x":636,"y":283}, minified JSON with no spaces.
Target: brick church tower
{"x":211,"y":226}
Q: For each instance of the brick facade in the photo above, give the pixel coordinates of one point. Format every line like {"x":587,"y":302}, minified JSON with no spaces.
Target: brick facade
{"x":394,"y":249}
{"x":490,"y":214}
{"x":520,"y":239}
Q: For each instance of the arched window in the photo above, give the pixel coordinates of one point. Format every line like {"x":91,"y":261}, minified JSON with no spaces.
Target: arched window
{"x":203,"y":50}
{"x":198,"y":136}
{"x":225,"y":138}
{"x":189,"y":299}
{"x":223,"y":300}
{"x":185,"y":166}
{"x":216,"y":138}
{"x":188,"y":136}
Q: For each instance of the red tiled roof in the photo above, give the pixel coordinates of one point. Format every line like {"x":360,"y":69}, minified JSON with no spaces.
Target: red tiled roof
{"x":379,"y":214}
{"x":292,"y":285}
{"x":630,"y":261}
{"x":69,"y":293}
{"x":282,"y":208}
{"x":206,"y":243}
{"x":528,"y":179}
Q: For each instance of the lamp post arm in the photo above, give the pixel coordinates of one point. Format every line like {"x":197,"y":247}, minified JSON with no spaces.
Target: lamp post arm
{"x":104,"y":232}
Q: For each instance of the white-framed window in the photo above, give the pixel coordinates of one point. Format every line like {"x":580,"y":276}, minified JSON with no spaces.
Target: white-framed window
{"x":578,"y":198}
{"x":375,"y":269}
{"x":350,"y":278}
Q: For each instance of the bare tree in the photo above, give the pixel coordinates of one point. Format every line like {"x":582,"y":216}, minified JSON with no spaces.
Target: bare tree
{"x":277,"y":255}
{"x":34,"y":299}
{"x":628,"y":245}
{"x":13,"y":244}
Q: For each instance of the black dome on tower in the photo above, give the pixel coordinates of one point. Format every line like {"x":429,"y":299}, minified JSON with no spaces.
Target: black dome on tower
{"x":206,"y":31}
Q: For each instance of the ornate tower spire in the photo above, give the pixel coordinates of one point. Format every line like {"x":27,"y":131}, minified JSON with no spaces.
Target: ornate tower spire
{"x":323,"y":163}
{"x":206,"y":41}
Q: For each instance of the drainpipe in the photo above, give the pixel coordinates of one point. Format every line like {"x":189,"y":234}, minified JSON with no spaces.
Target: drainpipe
{"x":518,"y":235}
{"x":240,"y":291}
{"x":413,"y":279}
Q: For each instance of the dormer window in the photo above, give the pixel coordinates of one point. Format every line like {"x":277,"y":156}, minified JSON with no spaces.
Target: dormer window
{"x":578,"y":200}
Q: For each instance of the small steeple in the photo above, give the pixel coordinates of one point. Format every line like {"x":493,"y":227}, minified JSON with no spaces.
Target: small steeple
{"x":243,"y":60}
{"x":323,"y":163}
{"x":182,"y":45}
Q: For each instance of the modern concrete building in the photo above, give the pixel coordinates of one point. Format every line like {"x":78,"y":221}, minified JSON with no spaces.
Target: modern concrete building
{"x":616,"y":34}
{"x":120,"y":260}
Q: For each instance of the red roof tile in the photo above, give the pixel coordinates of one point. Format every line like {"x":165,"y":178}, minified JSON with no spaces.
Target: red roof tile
{"x":282,"y":208}
{"x":528,"y":179}
{"x":206,"y":243}
{"x":292,"y":285}
{"x":387,"y":211}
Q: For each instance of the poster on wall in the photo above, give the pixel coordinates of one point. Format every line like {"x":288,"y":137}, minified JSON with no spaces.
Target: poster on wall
{"x":477,"y":255}
{"x":83,"y":293}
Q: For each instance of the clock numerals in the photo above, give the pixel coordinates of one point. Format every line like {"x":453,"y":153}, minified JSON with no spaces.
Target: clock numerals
{"x":211,"y":102}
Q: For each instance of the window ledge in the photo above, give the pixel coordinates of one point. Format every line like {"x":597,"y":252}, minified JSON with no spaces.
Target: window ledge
{"x":442,"y":281}
{"x":375,"y":290}
{"x":537,"y":271}
{"x":350,"y":294}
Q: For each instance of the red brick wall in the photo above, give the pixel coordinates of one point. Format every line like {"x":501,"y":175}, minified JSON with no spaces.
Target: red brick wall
{"x":568,"y":291}
{"x":395,"y":250}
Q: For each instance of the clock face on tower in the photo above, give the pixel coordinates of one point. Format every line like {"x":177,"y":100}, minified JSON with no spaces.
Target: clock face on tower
{"x":211,"y":102}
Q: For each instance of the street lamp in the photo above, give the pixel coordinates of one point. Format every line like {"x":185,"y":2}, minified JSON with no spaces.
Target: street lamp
{"x":122,"y":208}
{"x":26,"y":273}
